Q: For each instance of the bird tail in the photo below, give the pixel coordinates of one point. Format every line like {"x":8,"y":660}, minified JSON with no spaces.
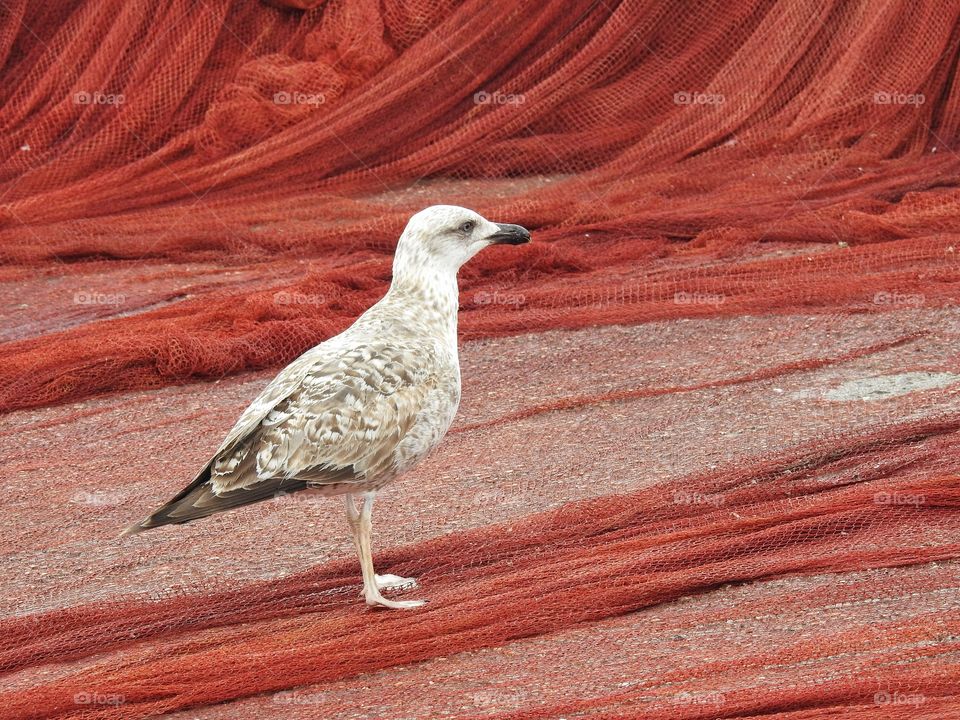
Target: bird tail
{"x":138,"y":527}
{"x":164,"y":515}
{"x":199,"y":500}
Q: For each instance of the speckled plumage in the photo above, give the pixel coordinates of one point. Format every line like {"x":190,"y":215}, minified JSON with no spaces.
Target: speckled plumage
{"x":356,"y":411}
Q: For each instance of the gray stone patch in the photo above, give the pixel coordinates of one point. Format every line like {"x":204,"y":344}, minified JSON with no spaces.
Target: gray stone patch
{"x":885,"y":386}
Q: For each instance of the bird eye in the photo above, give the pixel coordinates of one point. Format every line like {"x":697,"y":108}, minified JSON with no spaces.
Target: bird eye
{"x":467,"y":226}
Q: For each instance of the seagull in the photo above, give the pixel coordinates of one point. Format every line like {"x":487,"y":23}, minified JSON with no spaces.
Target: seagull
{"x":362,"y":408}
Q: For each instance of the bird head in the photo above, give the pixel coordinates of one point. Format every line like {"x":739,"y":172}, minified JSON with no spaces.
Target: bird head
{"x":446,"y":236}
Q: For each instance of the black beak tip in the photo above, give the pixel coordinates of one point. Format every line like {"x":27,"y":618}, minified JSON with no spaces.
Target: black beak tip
{"x":510,"y":235}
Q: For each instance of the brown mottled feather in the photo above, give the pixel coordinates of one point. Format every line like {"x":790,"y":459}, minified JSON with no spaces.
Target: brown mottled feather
{"x":330,"y":424}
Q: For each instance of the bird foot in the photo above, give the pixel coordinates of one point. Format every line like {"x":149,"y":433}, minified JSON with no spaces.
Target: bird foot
{"x":379,"y":600}
{"x":395,"y":582}
{"x":392,"y":582}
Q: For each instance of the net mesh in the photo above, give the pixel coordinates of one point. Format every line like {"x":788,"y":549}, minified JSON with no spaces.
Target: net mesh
{"x":704,"y":463}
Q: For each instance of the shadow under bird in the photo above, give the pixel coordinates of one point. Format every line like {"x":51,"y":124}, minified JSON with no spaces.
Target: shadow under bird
{"x":360,"y":409}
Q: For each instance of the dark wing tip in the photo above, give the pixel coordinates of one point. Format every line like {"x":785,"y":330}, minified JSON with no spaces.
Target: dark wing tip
{"x":138,"y":527}
{"x":200,"y":501}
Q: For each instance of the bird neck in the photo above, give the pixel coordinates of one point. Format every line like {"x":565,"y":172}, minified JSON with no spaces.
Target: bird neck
{"x":432,"y":293}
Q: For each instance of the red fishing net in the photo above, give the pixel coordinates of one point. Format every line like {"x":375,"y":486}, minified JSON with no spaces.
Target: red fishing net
{"x":705,"y":464}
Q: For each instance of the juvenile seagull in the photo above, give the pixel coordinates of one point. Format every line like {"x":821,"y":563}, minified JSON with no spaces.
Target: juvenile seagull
{"x":354,"y":412}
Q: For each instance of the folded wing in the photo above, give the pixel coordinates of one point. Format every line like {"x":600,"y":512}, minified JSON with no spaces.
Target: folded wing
{"x":328,"y":423}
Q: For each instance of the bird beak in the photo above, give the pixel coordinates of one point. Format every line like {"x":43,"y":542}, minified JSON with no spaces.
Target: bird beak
{"x":507,"y":234}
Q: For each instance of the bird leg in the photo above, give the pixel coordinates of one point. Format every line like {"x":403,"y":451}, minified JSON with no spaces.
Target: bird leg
{"x":361,"y":525}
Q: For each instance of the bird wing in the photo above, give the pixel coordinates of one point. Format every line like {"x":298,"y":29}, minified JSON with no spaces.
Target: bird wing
{"x":330,"y":420}
{"x":278,"y":389}
{"x":351,"y":413}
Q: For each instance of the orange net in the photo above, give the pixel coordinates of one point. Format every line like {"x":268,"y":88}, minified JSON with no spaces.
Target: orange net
{"x":746,"y":225}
